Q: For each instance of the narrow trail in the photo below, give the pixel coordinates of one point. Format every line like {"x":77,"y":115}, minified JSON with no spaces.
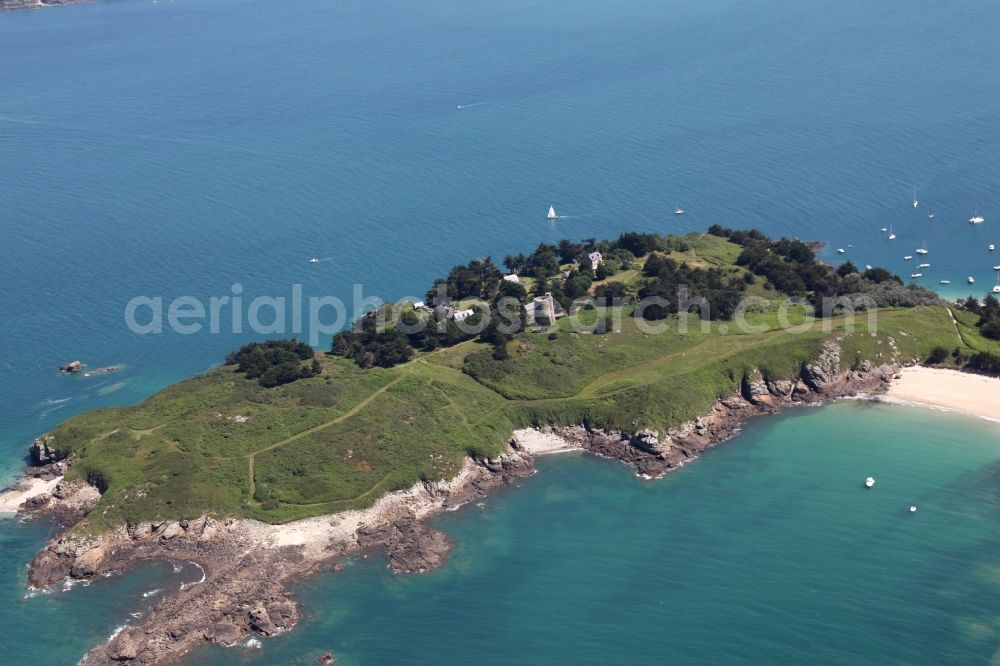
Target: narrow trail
{"x":322,"y":426}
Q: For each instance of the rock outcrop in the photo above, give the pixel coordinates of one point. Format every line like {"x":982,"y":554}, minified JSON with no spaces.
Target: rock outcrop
{"x":43,"y":453}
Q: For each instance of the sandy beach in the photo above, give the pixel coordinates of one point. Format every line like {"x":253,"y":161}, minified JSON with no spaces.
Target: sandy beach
{"x":23,"y":491}
{"x":538,"y":443}
{"x":956,"y":391}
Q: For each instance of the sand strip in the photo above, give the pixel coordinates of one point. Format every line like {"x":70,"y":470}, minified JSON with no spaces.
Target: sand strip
{"x":539,"y":443}
{"x":25,"y":490}
{"x":956,"y":391}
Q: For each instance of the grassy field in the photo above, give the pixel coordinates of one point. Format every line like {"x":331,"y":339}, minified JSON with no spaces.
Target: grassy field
{"x":219,"y":443}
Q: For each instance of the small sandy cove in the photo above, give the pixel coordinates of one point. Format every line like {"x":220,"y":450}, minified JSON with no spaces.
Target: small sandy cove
{"x":539,"y":443}
{"x":963,"y":392}
{"x":23,"y":491}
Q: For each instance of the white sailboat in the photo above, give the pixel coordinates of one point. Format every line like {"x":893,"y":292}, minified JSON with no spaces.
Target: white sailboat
{"x":892,"y":235}
{"x":915,"y":202}
{"x":992,"y":247}
{"x":922,"y":250}
{"x":976,"y":218}
{"x":678,"y":211}
{"x":870,"y":481}
{"x":996,"y":289}
{"x":945,"y":281}
{"x":314,"y":260}
{"x":916,"y":275}
{"x":970,"y":280}
{"x":552,"y":213}
{"x":930,"y":216}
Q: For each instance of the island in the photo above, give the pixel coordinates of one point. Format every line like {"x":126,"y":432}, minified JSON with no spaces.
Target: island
{"x":647,"y":349}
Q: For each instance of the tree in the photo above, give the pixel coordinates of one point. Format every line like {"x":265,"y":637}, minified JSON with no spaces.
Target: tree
{"x":846,"y":269}
{"x":878,"y":275}
{"x":568,"y":251}
{"x":273,"y":362}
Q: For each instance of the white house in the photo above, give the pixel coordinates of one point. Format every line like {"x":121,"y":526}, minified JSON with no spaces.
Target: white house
{"x":595,"y":260}
{"x":462,"y":315}
{"x":512,"y":278}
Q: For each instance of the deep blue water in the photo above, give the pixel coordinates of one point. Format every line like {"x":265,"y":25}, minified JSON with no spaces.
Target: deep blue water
{"x":176,"y":148}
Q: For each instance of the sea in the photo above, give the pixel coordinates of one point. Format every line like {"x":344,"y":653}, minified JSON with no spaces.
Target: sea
{"x":189,"y":149}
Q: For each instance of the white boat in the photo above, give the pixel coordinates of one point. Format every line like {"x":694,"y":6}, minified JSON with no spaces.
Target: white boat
{"x":868,"y":267}
{"x":314,"y":260}
{"x":923,"y":265}
{"x":885,"y":229}
{"x":870,"y":481}
{"x":892,"y":236}
{"x":992,"y":247}
{"x":841,"y":250}
{"x":552,"y":213}
{"x":996,"y":268}
{"x":916,"y":275}
{"x":678,"y":211}
{"x":970,"y":280}
{"x":945,"y":282}
{"x":908,"y":257}
{"x":976,"y":218}
{"x":996,"y":289}
{"x":915,"y":202}
{"x":921,"y":250}
{"x":913,"y":509}
{"x":930,"y":217}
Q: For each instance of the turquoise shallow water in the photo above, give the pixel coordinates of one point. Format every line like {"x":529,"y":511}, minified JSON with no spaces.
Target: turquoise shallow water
{"x":175,"y":148}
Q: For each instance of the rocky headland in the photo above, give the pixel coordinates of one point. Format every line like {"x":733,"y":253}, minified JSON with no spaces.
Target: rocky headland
{"x":248,"y":565}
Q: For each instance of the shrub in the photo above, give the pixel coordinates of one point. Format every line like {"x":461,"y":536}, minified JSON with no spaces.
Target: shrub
{"x":937,"y":356}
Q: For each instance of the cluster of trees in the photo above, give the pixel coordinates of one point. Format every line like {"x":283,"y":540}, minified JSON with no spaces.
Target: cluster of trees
{"x":545,"y":261}
{"x":369,"y":347}
{"x":989,"y":315}
{"x":480,"y":278}
{"x":275,"y":362}
{"x":791,"y":267}
{"x":709,"y":286}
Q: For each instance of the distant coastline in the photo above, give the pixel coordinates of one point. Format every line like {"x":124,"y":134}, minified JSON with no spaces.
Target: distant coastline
{"x":13,"y":5}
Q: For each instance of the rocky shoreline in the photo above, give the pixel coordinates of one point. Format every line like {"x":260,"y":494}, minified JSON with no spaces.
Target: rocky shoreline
{"x":248,"y":565}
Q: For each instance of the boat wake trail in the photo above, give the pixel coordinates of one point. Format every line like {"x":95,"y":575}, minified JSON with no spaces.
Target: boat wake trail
{"x":469,"y":106}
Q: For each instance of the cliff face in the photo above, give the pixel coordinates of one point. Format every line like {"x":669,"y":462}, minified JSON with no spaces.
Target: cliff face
{"x":247,"y":565}
{"x":653,"y":453}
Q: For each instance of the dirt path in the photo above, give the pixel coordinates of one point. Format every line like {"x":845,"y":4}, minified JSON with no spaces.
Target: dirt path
{"x":322,"y":426}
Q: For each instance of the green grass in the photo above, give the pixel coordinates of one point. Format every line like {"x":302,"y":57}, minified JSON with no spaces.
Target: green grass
{"x":220,"y":444}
